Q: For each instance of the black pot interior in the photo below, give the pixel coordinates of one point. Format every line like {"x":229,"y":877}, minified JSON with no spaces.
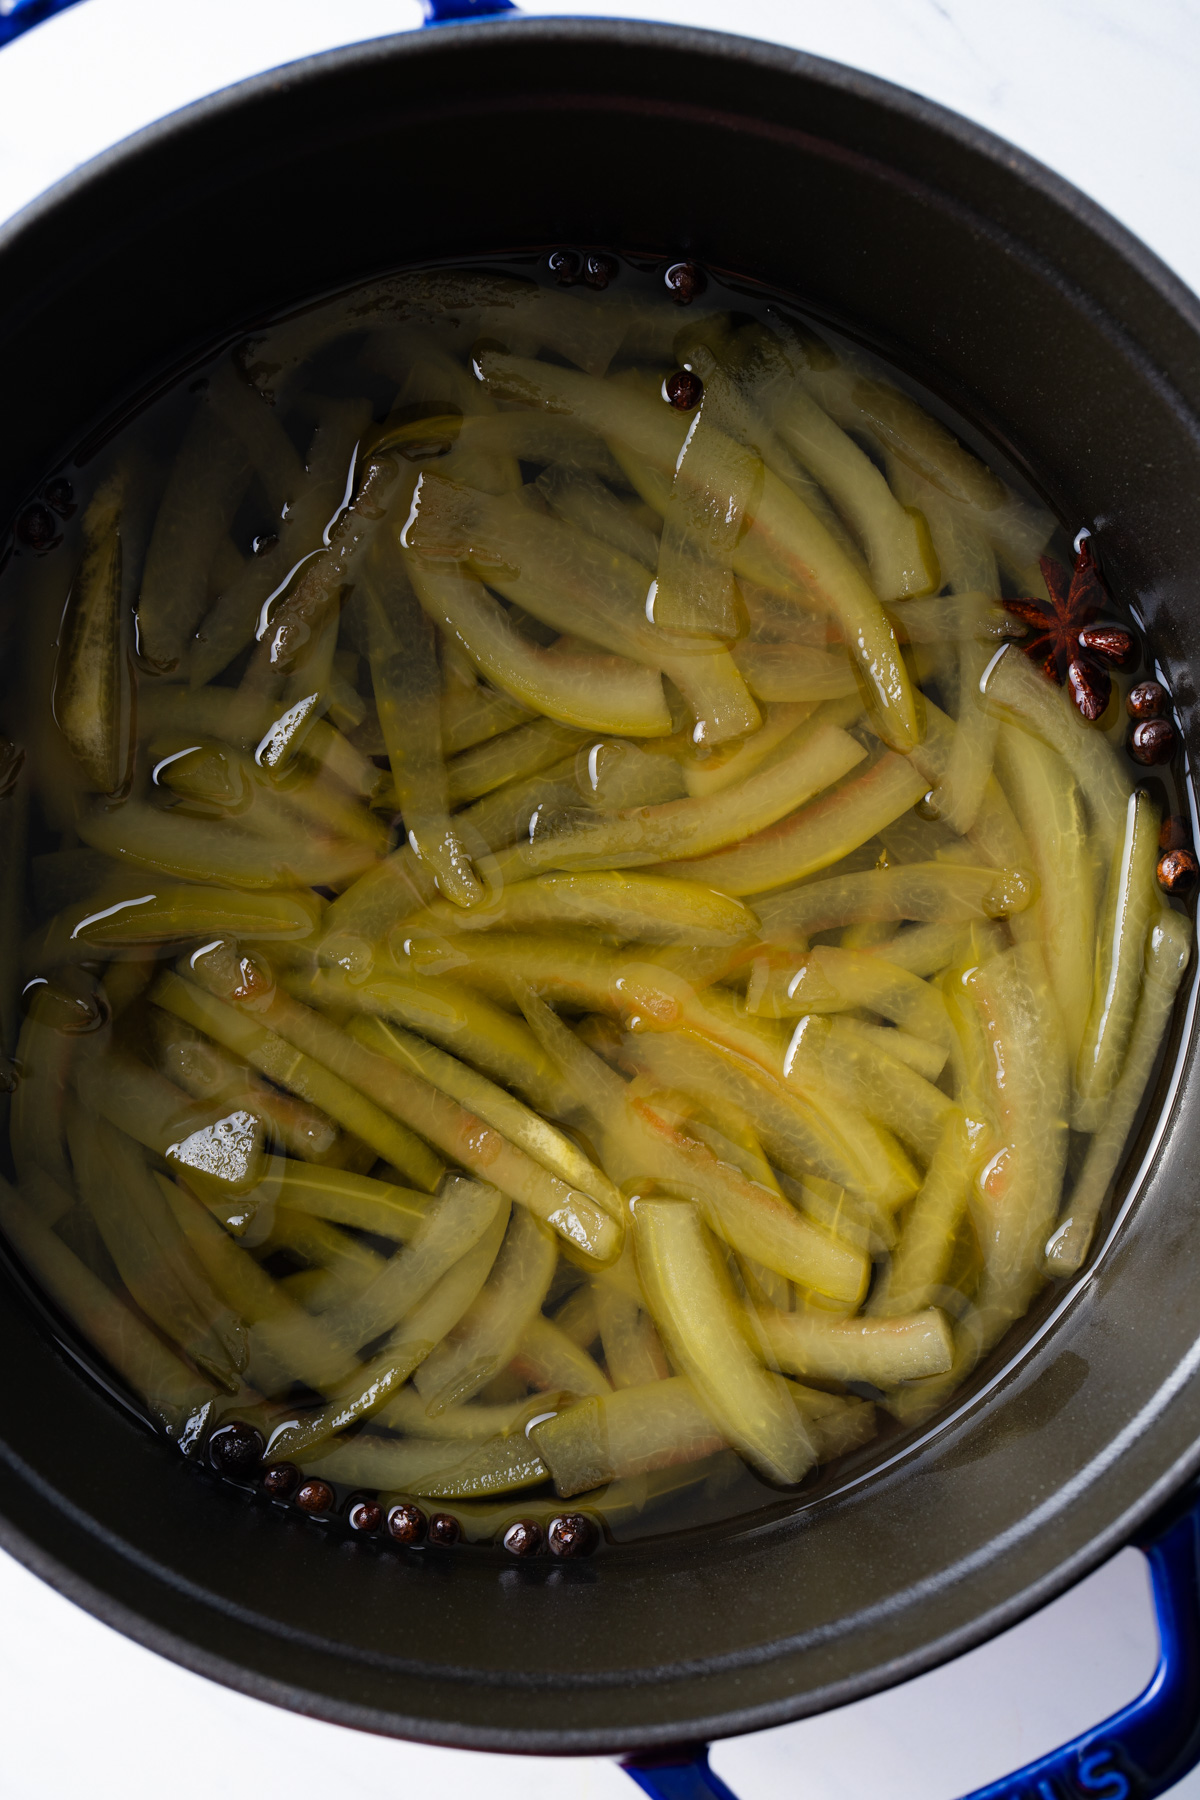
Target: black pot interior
{"x":1065,"y":341}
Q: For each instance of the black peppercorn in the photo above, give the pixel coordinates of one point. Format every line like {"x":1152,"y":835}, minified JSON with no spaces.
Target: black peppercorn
{"x":1148,"y":700}
{"x":565,"y":266}
{"x":1177,"y":871}
{"x":365,"y":1515}
{"x":685,"y":281}
{"x":266,"y":540}
{"x":572,"y":1534}
{"x":523,"y":1538}
{"x":444,"y":1529}
{"x":37,"y":527}
{"x":407,"y":1524}
{"x":280,"y":1480}
{"x":598,"y":271}
{"x":314,"y":1497}
{"x":235,"y":1449}
{"x":683,"y":390}
{"x":1152,"y":741}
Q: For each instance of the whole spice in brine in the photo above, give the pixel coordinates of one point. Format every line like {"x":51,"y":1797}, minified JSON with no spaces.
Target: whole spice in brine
{"x":523,"y":1538}
{"x":1065,"y":639}
{"x":407,"y":1524}
{"x":1148,"y":700}
{"x":315,"y":1497}
{"x":685,"y":281}
{"x":280,"y":1480}
{"x":365,"y":1515}
{"x":37,"y":528}
{"x":683,"y":390}
{"x":572,"y":1534}
{"x":1152,"y":741}
{"x":1177,"y":871}
{"x":235,"y":1449}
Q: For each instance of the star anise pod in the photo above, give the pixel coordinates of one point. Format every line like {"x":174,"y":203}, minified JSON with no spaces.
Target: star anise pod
{"x":1065,"y":636}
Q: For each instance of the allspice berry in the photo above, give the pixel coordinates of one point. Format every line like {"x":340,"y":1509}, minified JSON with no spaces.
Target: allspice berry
{"x":1152,"y":741}
{"x":60,"y":495}
{"x":235,"y":1449}
{"x":1147,"y":700}
{"x":280,"y":1480}
{"x":365,"y":1515}
{"x":683,"y":390}
{"x":407,"y":1524}
{"x":565,"y":266}
{"x":315,"y":1497}
{"x":572,"y":1534}
{"x":444,"y":1530}
{"x":598,"y":271}
{"x":37,"y":527}
{"x":1177,"y":871}
{"x":684,"y":282}
{"x":523,"y":1538}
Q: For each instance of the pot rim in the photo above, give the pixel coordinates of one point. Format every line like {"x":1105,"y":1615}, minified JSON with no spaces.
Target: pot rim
{"x":841,"y":77}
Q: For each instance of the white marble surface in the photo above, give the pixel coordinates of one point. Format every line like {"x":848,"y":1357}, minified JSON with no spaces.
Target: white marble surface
{"x":1104,"y":92}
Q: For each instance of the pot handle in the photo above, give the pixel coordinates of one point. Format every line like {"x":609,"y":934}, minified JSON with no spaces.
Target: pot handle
{"x":1139,"y":1752}
{"x":449,"y":12}
{"x":19,"y":15}
{"x":685,"y":1775}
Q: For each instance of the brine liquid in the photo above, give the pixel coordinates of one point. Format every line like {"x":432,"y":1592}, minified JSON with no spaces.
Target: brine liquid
{"x":563,"y":961}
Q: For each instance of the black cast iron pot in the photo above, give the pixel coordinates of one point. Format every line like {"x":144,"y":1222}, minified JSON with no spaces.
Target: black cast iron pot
{"x":1039,"y":318}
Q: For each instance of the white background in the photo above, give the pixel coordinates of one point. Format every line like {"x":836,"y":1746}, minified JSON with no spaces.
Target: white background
{"x":1105,"y":91}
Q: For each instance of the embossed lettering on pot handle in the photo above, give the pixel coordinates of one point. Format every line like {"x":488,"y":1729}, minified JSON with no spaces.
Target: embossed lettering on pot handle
{"x":1138,"y":1753}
